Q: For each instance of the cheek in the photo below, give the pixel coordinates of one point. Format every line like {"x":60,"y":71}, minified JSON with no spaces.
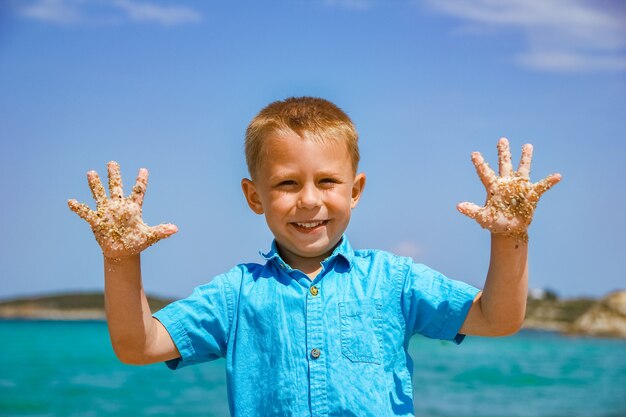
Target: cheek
{"x":341,"y":201}
{"x":281,"y":202}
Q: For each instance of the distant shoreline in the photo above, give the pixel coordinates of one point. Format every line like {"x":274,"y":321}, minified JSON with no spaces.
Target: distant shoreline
{"x":52,"y":321}
{"x":64,"y":307}
{"x":604,"y":317}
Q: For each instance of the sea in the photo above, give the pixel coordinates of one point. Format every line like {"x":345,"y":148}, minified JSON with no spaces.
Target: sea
{"x":66,"y":368}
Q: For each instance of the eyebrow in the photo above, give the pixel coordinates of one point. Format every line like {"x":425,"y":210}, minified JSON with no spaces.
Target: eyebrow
{"x":287,"y":173}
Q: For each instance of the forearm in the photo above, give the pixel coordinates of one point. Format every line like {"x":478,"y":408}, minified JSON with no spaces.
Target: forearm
{"x":121,"y":233}
{"x":130,"y":322}
{"x":503,"y":300}
{"x":511,"y":201}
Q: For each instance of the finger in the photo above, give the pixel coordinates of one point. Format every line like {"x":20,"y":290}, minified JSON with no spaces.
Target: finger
{"x":115,"y":180}
{"x":485,"y":173}
{"x":83,"y":211}
{"x":97,"y":190}
{"x":139,"y":190}
{"x":504,"y":157}
{"x":544,"y":185}
{"x":471,"y":210}
{"x":163,"y":231}
{"x":524,"y":162}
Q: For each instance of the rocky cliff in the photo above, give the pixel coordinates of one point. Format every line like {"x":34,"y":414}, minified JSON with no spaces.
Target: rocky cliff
{"x":605,"y":317}
{"x":554,"y":314}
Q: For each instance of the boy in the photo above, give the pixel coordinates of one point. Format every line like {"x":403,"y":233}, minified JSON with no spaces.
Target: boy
{"x":318,"y":329}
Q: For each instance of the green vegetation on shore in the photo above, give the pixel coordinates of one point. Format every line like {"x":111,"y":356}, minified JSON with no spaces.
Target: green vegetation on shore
{"x":603,"y":317}
{"x":65,"y":306}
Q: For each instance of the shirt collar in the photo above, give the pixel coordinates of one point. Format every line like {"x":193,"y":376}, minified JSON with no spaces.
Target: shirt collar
{"x":342,"y":251}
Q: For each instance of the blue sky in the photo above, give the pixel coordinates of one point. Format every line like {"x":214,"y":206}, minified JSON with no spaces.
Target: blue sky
{"x":171,"y":86}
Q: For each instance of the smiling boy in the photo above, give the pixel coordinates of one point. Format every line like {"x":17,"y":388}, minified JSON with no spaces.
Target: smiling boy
{"x":306,"y":185}
{"x":318,"y":329}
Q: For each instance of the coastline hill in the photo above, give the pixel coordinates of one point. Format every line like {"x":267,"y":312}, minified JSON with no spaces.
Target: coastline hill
{"x":605,"y":317}
{"x":67,"y":306}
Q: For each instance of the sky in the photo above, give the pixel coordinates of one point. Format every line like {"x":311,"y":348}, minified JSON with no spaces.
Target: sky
{"x":171,"y":86}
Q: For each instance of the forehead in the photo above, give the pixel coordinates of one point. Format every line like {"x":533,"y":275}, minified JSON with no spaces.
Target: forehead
{"x":289,"y":150}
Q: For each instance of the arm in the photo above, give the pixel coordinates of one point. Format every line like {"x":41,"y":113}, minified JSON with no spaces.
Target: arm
{"x":499,"y":309}
{"x":511,"y":200}
{"x":136,"y":336}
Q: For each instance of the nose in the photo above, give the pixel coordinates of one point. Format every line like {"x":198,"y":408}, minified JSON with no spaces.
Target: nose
{"x":310,"y":197}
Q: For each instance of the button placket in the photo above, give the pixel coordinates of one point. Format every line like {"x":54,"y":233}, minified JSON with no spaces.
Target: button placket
{"x":317,"y":359}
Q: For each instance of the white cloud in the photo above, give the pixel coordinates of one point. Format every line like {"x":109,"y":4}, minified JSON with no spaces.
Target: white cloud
{"x":561,"y":35}
{"x":567,"y":61}
{"x":407,"y":248}
{"x":55,"y":11}
{"x":351,"y":4}
{"x":166,"y":15}
{"x":103,"y":11}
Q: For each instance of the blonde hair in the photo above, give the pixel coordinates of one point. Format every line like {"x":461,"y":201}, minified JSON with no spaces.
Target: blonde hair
{"x":309,"y":117}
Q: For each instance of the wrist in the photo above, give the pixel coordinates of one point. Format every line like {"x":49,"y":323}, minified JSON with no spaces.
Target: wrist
{"x":117,"y":260}
{"x":518,"y":237}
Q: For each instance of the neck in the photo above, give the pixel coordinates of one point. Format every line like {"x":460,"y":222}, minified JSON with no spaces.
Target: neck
{"x":309,"y":266}
{"x":313,"y":274}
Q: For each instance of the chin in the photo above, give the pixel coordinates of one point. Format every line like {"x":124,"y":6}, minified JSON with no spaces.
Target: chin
{"x":319,"y":249}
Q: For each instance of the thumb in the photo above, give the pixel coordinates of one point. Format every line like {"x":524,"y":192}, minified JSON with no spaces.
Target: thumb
{"x":164,"y":230}
{"x":469,"y":209}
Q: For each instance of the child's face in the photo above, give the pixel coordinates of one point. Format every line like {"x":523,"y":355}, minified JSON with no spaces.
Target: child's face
{"x":306,"y":190}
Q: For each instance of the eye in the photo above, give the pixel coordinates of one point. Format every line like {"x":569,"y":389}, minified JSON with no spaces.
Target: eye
{"x":286,"y":183}
{"x":329,"y":181}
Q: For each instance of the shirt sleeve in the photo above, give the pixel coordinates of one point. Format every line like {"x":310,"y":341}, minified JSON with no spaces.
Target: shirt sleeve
{"x":434,"y":305}
{"x":200,"y":324}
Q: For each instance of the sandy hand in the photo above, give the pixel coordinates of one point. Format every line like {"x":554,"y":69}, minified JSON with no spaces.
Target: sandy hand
{"x":117,"y":223}
{"x":511,"y":197}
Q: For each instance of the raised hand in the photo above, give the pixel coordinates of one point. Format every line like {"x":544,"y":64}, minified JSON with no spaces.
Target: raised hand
{"x":511,"y":197}
{"x":117,"y":223}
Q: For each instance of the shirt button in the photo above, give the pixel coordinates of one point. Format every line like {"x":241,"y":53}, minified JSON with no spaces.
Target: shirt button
{"x":315,"y":353}
{"x":314,"y":291}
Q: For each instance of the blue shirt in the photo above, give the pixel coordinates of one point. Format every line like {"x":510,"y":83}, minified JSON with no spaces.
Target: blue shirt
{"x":336,"y":345}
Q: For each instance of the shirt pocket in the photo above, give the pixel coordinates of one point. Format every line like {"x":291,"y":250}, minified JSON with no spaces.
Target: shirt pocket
{"x":361,"y":330}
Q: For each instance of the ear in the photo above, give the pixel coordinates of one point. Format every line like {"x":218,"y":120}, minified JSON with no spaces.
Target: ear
{"x":357,"y":189}
{"x":252,"y":196}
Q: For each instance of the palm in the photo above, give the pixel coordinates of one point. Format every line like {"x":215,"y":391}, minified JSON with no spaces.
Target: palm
{"x":117,"y":223}
{"x":511,"y":197}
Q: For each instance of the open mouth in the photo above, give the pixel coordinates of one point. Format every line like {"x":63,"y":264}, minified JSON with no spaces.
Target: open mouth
{"x":309,"y":226}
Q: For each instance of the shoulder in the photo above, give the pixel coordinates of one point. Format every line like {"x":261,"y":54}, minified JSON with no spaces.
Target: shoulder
{"x":222,"y":292}
{"x":402,"y":269}
{"x":233,"y":279}
{"x":241,"y":273}
{"x":377,"y":254}
{"x":382,"y":265}
{"x":376,"y":258}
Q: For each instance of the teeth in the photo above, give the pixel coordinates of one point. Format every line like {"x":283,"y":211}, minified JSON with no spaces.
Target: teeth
{"x":309,"y":225}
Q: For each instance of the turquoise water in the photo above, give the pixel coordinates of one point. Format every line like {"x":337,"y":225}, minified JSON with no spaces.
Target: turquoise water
{"x":69,"y":369}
